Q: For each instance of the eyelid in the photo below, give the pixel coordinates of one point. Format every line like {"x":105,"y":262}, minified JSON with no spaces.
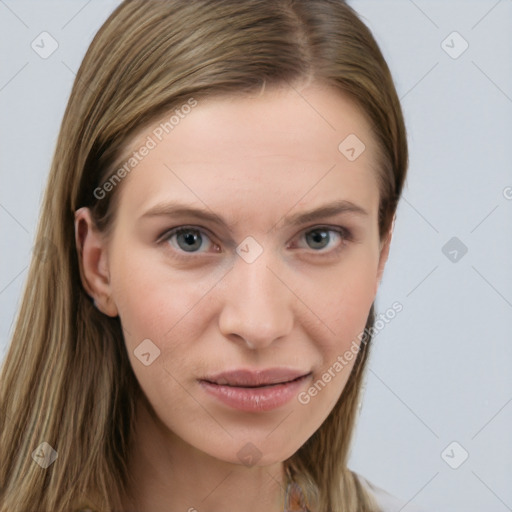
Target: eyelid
{"x":182,"y":227}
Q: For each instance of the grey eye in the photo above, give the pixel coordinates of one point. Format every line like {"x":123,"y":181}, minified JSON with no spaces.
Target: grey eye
{"x":318,"y":238}
{"x":189,"y":239}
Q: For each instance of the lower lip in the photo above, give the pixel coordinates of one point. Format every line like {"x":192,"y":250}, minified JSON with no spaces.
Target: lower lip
{"x":255,"y":399}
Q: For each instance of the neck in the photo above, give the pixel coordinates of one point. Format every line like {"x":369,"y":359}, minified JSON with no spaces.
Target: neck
{"x":170,"y":475}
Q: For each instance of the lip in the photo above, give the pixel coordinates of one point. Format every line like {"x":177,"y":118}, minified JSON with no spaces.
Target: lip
{"x":246,"y":378}
{"x":255,"y":391}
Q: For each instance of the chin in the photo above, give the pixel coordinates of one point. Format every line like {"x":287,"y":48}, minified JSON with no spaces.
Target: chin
{"x":258,"y":452}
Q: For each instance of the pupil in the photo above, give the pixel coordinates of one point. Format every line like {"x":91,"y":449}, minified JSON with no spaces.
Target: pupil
{"x":190,"y":239}
{"x":318,"y":236}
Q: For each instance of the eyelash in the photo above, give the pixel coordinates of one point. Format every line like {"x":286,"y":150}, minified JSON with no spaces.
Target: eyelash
{"x":344,"y":233}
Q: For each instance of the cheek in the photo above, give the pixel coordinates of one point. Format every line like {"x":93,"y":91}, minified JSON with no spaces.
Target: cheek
{"x":151,"y":297}
{"x":344,"y":306}
{"x":346,"y":313}
{"x":156,"y":304}
{"x":137,"y":298}
{"x":349,"y":311}
{"x":343,"y":298}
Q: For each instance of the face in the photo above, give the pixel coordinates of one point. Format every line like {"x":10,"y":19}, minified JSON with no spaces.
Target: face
{"x":239,"y":304}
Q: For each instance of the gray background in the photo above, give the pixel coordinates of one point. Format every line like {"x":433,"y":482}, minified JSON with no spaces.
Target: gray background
{"x":440,"y":371}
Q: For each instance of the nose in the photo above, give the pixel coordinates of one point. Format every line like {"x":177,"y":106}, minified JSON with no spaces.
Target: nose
{"x":257,"y":306}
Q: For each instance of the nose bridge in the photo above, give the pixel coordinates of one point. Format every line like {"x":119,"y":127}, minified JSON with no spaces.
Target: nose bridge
{"x":257,"y":305}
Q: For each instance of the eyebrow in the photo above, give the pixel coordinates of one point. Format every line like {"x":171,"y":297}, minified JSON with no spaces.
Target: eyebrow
{"x":338,"y":207}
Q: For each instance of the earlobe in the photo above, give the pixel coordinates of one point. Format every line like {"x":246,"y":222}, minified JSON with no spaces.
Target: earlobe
{"x":92,"y":262}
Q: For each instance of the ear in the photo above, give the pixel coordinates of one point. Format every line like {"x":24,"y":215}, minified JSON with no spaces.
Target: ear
{"x":93,"y":263}
{"x":384,"y":253}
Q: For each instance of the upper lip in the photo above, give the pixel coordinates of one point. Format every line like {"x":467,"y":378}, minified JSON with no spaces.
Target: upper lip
{"x":264,"y":377}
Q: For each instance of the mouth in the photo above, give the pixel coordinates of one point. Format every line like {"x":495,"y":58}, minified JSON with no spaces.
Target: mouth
{"x":239,"y":385}
{"x":256,"y":378}
{"x":255,"y":391}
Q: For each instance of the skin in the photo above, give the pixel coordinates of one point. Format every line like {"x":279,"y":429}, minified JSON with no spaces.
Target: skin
{"x":252,"y":160}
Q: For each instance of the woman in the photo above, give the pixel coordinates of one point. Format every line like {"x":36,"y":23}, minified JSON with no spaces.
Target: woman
{"x":215,"y":227}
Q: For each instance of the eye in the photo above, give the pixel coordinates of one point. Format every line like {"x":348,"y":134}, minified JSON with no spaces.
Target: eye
{"x":326,"y":237}
{"x":186,"y":239}
{"x":190,"y":239}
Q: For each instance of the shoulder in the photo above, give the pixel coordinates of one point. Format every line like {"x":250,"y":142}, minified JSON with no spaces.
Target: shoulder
{"x":387,"y":502}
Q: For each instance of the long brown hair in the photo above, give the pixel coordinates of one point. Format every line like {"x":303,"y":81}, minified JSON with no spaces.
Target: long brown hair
{"x":67,"y":380}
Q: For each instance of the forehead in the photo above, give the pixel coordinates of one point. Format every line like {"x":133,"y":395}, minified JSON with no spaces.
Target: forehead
{"x":283,"y":145}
